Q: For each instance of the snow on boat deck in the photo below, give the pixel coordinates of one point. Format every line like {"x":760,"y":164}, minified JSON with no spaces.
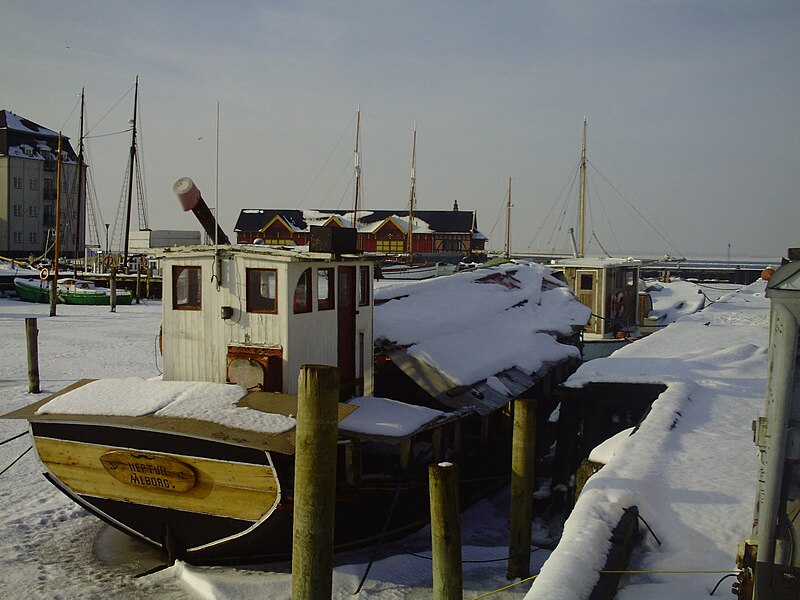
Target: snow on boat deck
{"x":690,"y":468}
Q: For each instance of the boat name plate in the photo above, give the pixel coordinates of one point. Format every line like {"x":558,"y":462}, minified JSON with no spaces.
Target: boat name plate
{"x":150,"y":471}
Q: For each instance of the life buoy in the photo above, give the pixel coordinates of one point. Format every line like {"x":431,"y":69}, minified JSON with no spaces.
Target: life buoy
{"x":44,"y":273}
{"x":108,"y":261}
{"x":617,"y":305}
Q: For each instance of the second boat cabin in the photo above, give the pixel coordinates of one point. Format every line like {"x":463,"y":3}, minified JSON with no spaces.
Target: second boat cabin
{"x":253,"y":315}
{"x":610,"y":287}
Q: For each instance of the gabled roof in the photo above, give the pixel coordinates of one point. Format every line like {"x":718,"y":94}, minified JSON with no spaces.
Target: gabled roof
{"x":17,"y":132}
{"x":436,"y":221}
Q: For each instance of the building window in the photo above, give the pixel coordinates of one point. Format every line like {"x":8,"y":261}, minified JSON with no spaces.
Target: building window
{"x":17,"y":237}
{"x":33,"y":211}
{"x":17,"y":183}
{"x":186,"y":288}
{"x":390,"y":246}
{"x":326,"y":284}
{"x":451,"y":245}
{"x":364,"y":286}
{"x":302,"y":293}
{"x":262,"y":287}
{"x":17,"y":210}
{"x":32,"y":237}
{"x":33,"y":184}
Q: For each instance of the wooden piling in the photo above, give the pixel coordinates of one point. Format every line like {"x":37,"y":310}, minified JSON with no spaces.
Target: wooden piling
{"x":445,"y":531}
{"x":32,"y":337}
{"x":138,"y":280}
{"x":523,"y":454}
{"x":315,"y":482}
{"x":112,"y":285}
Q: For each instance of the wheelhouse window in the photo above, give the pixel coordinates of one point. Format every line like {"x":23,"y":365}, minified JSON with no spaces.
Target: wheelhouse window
{"x":326,"y":300}
{"x":186,"y":288}
{"x":302,"y":293}
{"x":365,"y":286}
{"x":586,"y":281}
{"x":262,"y":288}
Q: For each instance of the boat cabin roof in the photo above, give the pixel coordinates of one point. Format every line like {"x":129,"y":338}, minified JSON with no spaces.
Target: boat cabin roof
{"x":255,"y":251}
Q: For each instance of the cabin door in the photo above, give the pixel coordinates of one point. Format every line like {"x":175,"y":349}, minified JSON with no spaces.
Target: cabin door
{"x":586,"y":288}
{"x":346,"y":308}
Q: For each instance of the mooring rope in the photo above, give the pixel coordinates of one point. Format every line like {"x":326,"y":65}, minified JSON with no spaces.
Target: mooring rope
{"x":16,"y":460}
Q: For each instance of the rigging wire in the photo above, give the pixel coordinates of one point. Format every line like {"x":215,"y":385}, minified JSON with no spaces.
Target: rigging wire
{"x":325,"y":164}
{"x":125,"y":95}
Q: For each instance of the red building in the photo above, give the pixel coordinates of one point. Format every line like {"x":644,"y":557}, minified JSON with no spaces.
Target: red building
{"x":445,"y":235}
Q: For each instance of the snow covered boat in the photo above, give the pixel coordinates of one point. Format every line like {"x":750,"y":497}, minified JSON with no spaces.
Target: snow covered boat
{"x":201,"y":463}
{"x":68,"y":291}
{"x":416,"y":271}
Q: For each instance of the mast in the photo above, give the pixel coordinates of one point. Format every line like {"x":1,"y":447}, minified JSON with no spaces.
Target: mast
{"x":79,"y":219}
{"x":410,"y":241}
{"x":130,"y":177}
{"x":54,"y":283}
{"x":357,"y":160}
{"x":582,"y":226}
{"x":508,"y":221}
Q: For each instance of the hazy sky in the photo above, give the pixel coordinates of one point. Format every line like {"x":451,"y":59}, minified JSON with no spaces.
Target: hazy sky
{"x":693,"y":110}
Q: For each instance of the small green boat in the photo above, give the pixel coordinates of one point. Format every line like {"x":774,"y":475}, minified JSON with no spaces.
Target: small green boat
{"x":69,"y":291}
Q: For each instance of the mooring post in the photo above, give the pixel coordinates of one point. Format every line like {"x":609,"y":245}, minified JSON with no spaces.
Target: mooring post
{"x":445,"y":531}
{"x":148,"y":277}
{"x":523,"y":454}
{"x":112,"y":285}
{"x":32,"y":337}
{"x":316,"y":434}
{"x":138,"y":280}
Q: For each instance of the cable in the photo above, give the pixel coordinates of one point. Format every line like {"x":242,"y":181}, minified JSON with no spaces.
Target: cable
{"x":13,"y":438}
{"x":380,"y":539}
{"x":16,"y":460}
{"x":721,"y":580}
{"x":641,"y":518}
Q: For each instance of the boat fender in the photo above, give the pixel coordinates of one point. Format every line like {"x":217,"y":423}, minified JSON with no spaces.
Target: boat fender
{"x":161,"y":340}
{"x":44,"y":273}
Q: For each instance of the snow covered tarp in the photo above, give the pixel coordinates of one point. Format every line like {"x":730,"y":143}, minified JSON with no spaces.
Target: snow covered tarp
{"x":496,"y":328}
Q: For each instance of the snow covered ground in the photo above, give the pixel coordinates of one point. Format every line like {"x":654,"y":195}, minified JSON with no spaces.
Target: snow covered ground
{"x":51,"y":548}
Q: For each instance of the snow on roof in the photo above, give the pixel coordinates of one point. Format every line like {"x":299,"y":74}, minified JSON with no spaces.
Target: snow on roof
{"x":691,"y":467}
{"x":386,"y":418}
{"x":475,"y":324}
{"x":17,"y":123}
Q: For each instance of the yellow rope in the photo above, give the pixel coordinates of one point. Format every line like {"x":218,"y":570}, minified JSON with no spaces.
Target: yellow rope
{"x":647,"y":572}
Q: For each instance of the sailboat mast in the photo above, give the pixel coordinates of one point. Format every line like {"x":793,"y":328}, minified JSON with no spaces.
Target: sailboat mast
{"x":508,"y":222}
{"x":410,"y":241}
{"x":582,"y":225}
{"x":130,"y":177}
{"x":79,"y":218}
{"x":357,"y":161}
{"x":56,"y":243}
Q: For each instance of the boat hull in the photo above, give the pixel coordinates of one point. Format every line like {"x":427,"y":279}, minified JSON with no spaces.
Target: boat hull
{"x":250,"y":521}
{"x":234,"y":494}
{"x":32,"y":290}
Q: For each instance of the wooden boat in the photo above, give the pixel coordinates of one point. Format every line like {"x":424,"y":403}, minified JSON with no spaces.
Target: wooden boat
{"x":79,"y":291}
{"x":31,"y":289}
{"x":68,"y":291}
{"x":183,"y":475}
{"x":415,"y":271}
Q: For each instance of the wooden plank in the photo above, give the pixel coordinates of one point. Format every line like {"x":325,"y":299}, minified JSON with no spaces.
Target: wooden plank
{"x":230,"y":489}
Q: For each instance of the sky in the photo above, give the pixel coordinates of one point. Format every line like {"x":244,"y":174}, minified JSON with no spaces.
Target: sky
{"x":691,"y":110}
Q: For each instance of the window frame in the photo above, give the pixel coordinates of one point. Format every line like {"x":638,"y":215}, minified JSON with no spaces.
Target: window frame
{"x":364,"y":286}
{"x":302,"y":305}
{"x":176,"y":274}
{"x":250,"y":300}
{"x":328,"y":303}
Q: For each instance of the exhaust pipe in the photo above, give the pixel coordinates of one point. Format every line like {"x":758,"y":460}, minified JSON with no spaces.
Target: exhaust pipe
{"x":190,"y":199}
